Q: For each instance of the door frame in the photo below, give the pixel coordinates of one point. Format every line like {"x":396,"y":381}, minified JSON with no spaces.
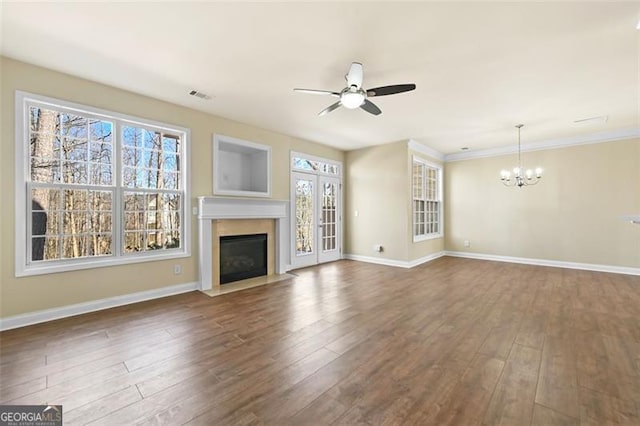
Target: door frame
{"x":317,"y":174}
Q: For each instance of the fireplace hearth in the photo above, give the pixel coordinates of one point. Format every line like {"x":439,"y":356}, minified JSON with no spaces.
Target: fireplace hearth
{"x":242,"y":257}
{"x":221,"y":216}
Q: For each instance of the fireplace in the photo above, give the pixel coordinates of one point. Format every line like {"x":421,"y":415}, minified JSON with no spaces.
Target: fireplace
{"x":227,"y":216}
{"x":242,"y":257}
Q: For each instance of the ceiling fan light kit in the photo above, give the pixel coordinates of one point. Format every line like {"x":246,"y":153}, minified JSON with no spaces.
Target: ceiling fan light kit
{"x":352,"y":100}
{"x":353,"y":96}
{"x":521,"y":177}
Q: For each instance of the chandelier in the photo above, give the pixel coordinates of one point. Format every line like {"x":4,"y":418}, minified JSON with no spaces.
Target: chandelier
{"x":520,"y":176}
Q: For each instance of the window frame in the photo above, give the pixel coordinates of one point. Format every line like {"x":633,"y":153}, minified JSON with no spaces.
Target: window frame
{"x":327,"y":161}
{"x":23,"y":264}
{"x":439,"y":199}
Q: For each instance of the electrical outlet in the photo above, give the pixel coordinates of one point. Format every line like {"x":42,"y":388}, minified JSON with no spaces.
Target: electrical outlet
{"x":467,"y":243}
{"x":377,"y":248}
{"x":356,"y":213}
{"x":177,"y":269}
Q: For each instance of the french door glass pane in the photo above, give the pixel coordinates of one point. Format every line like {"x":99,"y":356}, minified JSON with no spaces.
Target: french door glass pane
{"x":329,"y":220}
{"x":304,"y":217}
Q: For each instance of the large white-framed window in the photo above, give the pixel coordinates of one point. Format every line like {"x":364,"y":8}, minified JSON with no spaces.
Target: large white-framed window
{"x":426,"y":199}
{"x":97,"y":188}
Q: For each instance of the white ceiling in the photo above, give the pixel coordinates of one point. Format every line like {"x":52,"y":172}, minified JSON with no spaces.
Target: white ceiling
{"x":479,"y":67}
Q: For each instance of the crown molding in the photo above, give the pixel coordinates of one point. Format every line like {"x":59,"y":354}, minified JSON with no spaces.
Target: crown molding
{"x":594,"y":138}
{"x":424,"y":149}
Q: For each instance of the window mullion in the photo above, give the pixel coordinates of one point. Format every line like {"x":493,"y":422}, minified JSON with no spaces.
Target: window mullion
{"x":60,"y":235}
{"x":29,"y":236}
{"x":117,"y":224}
{"x":424,"y":199}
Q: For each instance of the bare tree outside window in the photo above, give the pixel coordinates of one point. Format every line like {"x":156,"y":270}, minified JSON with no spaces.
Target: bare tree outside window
{"x":304,"y":216}
{"x":152,"y":207}
{"x":73,"y":188}
{"x":70,"y":155}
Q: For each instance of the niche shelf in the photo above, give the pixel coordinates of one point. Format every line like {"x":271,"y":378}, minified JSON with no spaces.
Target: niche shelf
{"x":241,"y":167}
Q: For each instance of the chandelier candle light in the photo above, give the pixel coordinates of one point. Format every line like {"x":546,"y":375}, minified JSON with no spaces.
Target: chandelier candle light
{"x":520,"y":176}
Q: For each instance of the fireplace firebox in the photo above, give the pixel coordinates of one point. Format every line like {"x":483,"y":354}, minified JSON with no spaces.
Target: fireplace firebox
{"x":242,"y":257}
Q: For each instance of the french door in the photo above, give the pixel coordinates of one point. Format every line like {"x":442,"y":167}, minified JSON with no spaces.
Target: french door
{"x":316,"y":213}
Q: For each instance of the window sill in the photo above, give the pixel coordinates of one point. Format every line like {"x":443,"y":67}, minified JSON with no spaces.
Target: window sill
{"x":58,"y":267}
{"x":419,"y":238}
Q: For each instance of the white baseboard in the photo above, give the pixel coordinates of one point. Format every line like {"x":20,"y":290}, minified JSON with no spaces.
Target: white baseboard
{"x":393,"y":262}
{"x":95,"y":305}
{"x":544,"y":262}
{"x":425,"y":259}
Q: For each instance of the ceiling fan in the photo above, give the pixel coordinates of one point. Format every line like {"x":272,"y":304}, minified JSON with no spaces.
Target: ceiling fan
{"x":353,"y":96}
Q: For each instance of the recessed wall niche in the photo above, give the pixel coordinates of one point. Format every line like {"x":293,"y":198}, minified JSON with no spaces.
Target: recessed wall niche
{"x":241,"y":167}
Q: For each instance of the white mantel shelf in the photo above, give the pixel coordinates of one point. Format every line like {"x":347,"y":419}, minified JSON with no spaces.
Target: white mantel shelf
{"x":241,"y":208}
{"x":633,"y":219}
{"x":214,"y":208}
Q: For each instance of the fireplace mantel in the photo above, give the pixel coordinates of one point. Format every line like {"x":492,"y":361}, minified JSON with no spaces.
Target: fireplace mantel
{"x":214,"y":208}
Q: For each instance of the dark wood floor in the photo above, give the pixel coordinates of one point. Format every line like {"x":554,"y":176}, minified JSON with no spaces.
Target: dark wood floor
{"x":455,"y":341}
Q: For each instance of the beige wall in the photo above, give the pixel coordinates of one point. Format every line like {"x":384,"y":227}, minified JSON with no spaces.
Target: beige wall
{"x":377,"y":188}
{"x":572,"y":215}
{"x":48,"y":291}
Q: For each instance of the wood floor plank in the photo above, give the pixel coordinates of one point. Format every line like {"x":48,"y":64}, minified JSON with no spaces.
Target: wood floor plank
{"x":544,"y":416}
{"x":600,"y":369}
{"x":131,"y":414}
{"x":179,"y":346}
{"x":512,"y":400}
{"x":98,"y":409}
{"x":287,"y":402}
{"x":241,"y":418}
{"x":324,"y":407}
{"x":62,"y":390}
{"x":499,"y":341}
{"x":531,"y":331}
{"x":73,"y":356}
{"x":11,"y":393}
{"x":228,"y":404}
{"x":453,"y":341}
{"x":469,"y":400}
{"x":432,"y":388}
{"x":600,"y":409}
{"x":558,"y":381}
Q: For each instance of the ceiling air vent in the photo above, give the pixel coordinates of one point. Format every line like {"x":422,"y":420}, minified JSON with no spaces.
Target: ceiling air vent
{"x":199,"y":95}
{"x":603,"y":118}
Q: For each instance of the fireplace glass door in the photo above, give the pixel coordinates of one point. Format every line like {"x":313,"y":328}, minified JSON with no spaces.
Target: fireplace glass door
{"x":242,"y":257}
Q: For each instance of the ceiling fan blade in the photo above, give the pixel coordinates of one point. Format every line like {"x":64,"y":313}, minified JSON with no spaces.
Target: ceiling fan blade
{"x":354,"y":78}
{"x":370,"y":107}
{"x":330,"y":108}
{"x":390,"y":90}
{"x":318,"y":92}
